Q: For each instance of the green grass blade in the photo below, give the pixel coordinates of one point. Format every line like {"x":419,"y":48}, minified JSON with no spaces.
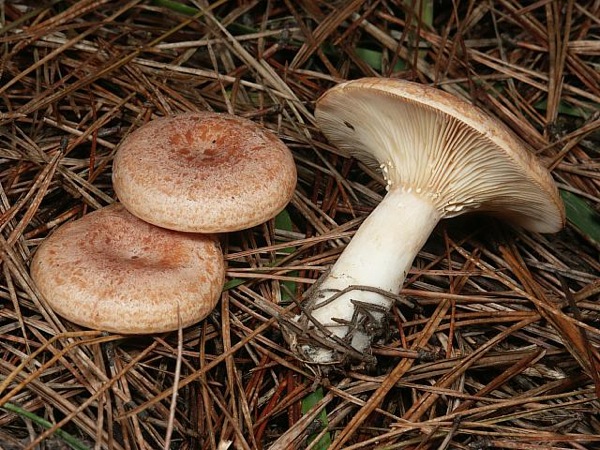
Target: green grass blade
{"x":176,"y":7}
{"x":569,"y":110}
{"x":307,"y":404}
{"x":283,"y":221}
{"x":69,"y":439}
{"x":374,"y":58}
{"x":582,"y":216}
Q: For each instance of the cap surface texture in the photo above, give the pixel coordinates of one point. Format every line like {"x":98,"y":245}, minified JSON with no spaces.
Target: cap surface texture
{"x":112,"y":271}
{"x":443,"y":148}
{"x":204,"y":172}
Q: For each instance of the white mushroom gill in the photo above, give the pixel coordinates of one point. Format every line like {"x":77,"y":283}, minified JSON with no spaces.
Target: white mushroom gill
{"x":426,"y":151}
{"x":436,"y":165}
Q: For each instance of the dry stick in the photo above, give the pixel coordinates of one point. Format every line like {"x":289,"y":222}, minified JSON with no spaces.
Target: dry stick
{"x":403,"y":366}
{"x":456,"y":285}
{"x":299,"y":428}
{"x":140,"y":378}
{"x":304,"y":244}
{"x":52,"y":40}
{"x":427,"y":400}
{"x":391,"y":44}
{"x":82,"y":377}
{"x":471,"y":426}
{"x":574,"y":338}
{"x":30,"y":35}
{"x":132,"y":430}
{"x":176,"y":376}
{"x":28,"y":107}
{"x":492,"y":408}
{"x":542,"y":305}
{"x":25,"y":17}
{"x":390,"y":381}
{"x":587,"y":291}
{"x":65,"y":46}
{"x":528,"y":22}
{"x":25,"y":362}
{"x":289,"y":439}
{"x":502,"y":378}
{"x":263,"y":69}
{"x":246,"y":413}
{"x":31,"y":380}
{"x":535,"y":409}
{"x":206,"y":397}
{"x":293,"y":397}
{"x":324,"y":28}
{"x":103,"y":405}
{"x":71,"y":176}
{"x":417,"y":410}
{"x":557,"y":50}
{"x":261,"y":426}
{"x":10,"y":287}
{"x":307,"y":35}
{"x":229,"y":370}
{"x":59,"y":402}
{"x":232,"y":377}
{"x":88,"y":133}
{"x":573,"y":139}
{"x":94,"y":397}
{"x":193,"y":377}
{"x":76,"y":10}
{"x":255,"y":381}
{"x":528,"y":76}
{"x":238,"y":433}
{"x":59,"y":219}
{"x":13,"y":263}
{"x":41,"y":183}
{"x":502,"y":52}
{"x":208,"y":74}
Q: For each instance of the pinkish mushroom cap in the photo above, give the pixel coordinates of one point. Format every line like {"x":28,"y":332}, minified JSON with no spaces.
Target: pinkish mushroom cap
{"x":204,"y":172}
{"x":112,"y":271}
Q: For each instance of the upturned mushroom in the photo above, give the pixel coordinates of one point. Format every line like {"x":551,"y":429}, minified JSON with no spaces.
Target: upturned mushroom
{"x":204,"y":172}
{"x":114,"y":272}
{"x":440,"y":157}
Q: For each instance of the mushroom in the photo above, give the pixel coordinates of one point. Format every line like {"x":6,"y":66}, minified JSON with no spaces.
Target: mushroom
{"x":440,"y":157}
{"x":204,"y":172}
{"x":112,"y":271}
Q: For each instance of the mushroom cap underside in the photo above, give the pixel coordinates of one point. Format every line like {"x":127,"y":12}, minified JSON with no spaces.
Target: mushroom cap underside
{"x":204,"y":172}
{"x":441,"y":147}
{"x":112,"y":271}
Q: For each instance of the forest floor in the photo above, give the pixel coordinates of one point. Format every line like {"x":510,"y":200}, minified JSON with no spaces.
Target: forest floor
{"x":495,"y":340}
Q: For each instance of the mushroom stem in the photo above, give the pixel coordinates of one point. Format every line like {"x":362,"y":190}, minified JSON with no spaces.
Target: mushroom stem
{"x":379,"y":256}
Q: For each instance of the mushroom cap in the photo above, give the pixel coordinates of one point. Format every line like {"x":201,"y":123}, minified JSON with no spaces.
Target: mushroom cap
{"x":439,"y":146}
{"x":204,"y":172}
{"x":112,"y":271}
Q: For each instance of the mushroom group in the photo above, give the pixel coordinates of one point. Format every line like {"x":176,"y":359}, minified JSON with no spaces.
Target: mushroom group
{"x":440,"y":157}
{"x":152,"y":262}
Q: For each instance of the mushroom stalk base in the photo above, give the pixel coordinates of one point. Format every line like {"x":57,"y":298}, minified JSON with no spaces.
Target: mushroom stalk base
{"x":377,"y":258}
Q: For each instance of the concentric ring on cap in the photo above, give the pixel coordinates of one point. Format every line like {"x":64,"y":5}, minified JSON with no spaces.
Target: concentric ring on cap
{"x":204,"y":172}
{"x":112,"y":271}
